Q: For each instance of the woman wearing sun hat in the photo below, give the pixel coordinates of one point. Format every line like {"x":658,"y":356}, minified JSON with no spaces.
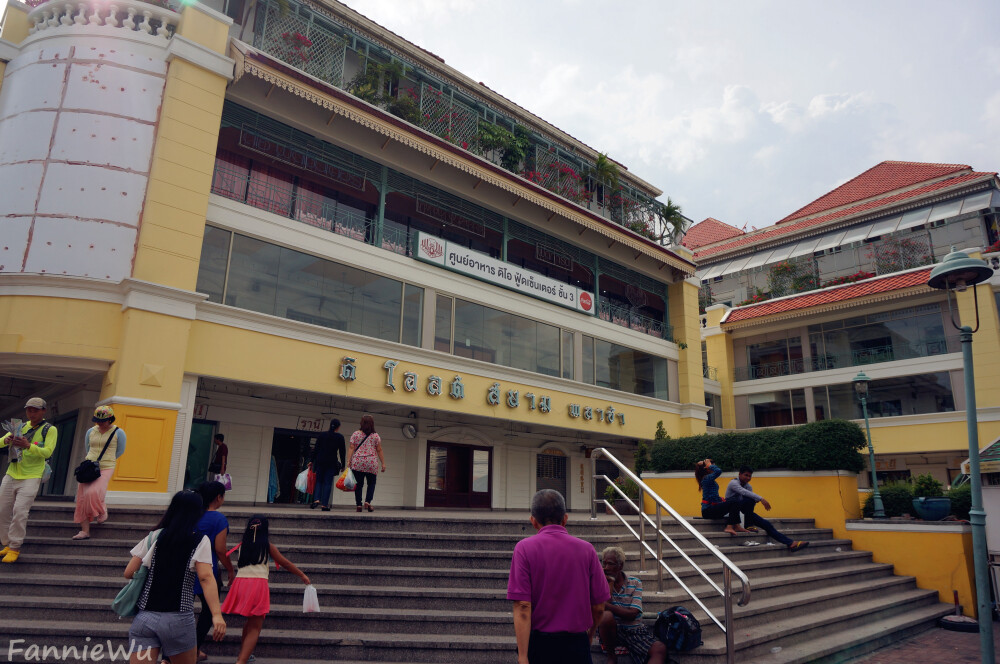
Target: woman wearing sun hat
{"x":90,"y":496}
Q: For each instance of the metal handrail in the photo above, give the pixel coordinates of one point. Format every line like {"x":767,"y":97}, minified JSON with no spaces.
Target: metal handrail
{"x":728,"y":567}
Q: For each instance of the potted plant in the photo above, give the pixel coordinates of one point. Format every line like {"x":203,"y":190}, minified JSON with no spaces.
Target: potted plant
{"x":928,"y":498}
{"x":629,"y":488}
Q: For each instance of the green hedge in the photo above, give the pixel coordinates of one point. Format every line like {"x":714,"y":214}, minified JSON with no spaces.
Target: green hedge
{"x":826,"y":445}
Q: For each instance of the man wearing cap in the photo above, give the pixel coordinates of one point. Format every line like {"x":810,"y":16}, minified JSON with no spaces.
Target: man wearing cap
{"x":28,"y":453}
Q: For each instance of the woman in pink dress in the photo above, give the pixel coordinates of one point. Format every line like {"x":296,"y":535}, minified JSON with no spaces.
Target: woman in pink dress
{"x":90,"y":496}
{"x":364,"y":458}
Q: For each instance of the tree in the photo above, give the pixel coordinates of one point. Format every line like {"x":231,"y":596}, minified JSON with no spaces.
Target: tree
{"x":671,"y":221}
{"x":604,"y":172}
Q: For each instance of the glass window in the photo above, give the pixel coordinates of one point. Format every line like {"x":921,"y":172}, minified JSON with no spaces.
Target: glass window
{"x":799,"y":407}
{"x":469,"y":341}
{"x":212,"y":266}
{"x":253,"y":275}
{"x":714,"y":401}
{"x":413,"y":315}
{"x":821,"y":404}
{"x":567,"y":354}
{"x":480,"y":471}
{"x":629,"y":370}
{"x":588,"y":360}
{"x":891,"y":397}
{"x":442,"y":324}
{"x":770,"y":409}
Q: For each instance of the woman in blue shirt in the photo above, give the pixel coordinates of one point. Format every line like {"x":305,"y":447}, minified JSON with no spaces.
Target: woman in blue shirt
{"x":712,"y":505}
{"x":215,"y":527}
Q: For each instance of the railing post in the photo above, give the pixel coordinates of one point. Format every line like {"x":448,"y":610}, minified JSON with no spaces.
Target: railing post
{"x":593,"y":486}
{"x":727,"y":578}
{"x":642,"y":535}
{"x":659,"y":550}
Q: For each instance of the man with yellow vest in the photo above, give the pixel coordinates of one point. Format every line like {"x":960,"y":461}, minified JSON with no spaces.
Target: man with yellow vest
{"x":28,"y":453}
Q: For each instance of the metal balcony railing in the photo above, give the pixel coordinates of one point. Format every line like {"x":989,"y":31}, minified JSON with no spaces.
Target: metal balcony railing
{"x":710,"y":373}
{"x":854,"y":358}
{"x":621,"y":315}
{"x":729,"y":569}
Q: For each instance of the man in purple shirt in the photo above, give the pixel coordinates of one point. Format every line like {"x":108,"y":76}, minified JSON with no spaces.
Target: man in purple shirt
{"x":557,"y":586}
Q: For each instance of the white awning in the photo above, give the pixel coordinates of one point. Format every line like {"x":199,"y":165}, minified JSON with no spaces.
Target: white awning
{"x":884,"y":227}
{"x":715,"y":270}
{"x":781,"y":253}
{"x":760,"y":258}
{"x":914,"y":218}
{"x":738,"y":264}
{"x":830,"y":241}
{"x":976,"y":202}
{"x":804,"y":247}
{"x":945,"y":210}
{"x":856,"y":234}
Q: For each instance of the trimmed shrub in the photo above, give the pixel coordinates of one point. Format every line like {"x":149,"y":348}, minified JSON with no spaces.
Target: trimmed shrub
{"x":961,"y":501}
{"x":925,"y":486}
{"x":897,"y":500}
{"x":826,"y":445}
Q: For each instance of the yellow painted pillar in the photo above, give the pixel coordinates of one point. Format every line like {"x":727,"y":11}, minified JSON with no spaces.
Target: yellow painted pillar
{"x":985,"y":342}
{"x":683,"y":304}
{"x":173,"y":220}
{"x":144,"y":383}
{"x":13,"y":29}
{"x":719,"y":349}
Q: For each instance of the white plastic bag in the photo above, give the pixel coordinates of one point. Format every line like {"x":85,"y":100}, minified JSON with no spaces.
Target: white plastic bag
{"x":349,"y":481}
{"x":310,"y":601}
{"x":226,"y":480}
{"x":302,"y":481}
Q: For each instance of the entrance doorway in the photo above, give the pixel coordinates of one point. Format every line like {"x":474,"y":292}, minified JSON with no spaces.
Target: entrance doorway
{"x":550,"y":473}
{"x":60,"y":459}
{"x":291,"y":451}
{"x":199,"y":450}
{"x":458,"y":476}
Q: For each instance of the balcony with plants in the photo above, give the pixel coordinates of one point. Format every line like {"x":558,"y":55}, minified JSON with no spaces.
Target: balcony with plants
{"x":630,"y":317}
{"x":312,"y":40}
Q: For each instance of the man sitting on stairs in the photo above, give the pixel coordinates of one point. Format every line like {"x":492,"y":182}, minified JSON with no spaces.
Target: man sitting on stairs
{"x":622,"y":621}
{"x":739,"y":489}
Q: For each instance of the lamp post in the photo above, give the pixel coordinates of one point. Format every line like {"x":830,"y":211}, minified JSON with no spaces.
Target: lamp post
{"x":957,"y":272}
{"x":861,"y":382}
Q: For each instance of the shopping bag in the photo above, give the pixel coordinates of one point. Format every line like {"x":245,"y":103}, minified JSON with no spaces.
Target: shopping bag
{"x":226,"y":479}
{"x":349,"y":481}
{"x":302,"y":481}
{"x":310,"y":601}
{"x":311,"y":482}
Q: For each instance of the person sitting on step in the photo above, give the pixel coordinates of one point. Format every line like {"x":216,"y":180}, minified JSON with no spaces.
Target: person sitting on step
{"x":712,"y":505}
{"x":622,"y":623}
{"x":739,"y":490}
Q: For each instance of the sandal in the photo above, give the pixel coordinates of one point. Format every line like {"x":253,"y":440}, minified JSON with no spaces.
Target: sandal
{"x":81,"y":536}
{"x":314,"y":505}
{"x":795,"y":546}
{"x":368,"y":506}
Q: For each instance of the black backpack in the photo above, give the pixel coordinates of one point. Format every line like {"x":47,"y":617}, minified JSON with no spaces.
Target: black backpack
{"x":678,"y":629}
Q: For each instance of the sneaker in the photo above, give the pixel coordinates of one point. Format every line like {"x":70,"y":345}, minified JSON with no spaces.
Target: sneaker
{"x":3,"y":552}
{"x":10,"y":556}
{"x":795,"y":546}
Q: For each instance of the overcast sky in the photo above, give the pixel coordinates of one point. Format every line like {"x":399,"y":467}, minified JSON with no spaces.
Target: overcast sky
{"x":743,"y":111}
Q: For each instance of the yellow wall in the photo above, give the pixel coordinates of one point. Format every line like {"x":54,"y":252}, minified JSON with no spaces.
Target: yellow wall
{"x":683,"y":304}
{"x":719,"y":349}
{"x":985,"y":342}
{"x":217,"y":350}
{"x":14,"y":28}
{"x":173,"y":220}
{"x":150,"y":436}
{"x":829,"y":499}
{"x":916,"y":438}
{"x":941,"y":561}
{"x":60,"y":326}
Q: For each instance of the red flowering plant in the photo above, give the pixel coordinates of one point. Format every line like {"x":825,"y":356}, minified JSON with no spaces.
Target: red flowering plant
{"x":756,"y":298}
{"x":993,"y":248}
{"x":860,"y":275}
{"x":298,"y":46}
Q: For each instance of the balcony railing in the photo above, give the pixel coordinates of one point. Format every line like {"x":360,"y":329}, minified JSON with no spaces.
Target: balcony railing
{"x":710,"y":373}
{"x":855,"y":358}
{"x":621,"y":315}
{"x":124,"y":15}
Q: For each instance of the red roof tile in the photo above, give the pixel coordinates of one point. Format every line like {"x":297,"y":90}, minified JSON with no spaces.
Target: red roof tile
{"x":829,"y":295}
{"x":708,"y":231}
{"x":775,"y":232}
{"x":881,"y":179}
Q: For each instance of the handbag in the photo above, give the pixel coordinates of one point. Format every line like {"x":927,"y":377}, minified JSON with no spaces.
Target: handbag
{"x":226,"y":480}
{"x":88,"y":470}
{"x":126,"y":603}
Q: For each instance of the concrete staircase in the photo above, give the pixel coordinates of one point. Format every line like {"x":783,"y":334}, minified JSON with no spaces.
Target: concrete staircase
{"x":422,"y":586}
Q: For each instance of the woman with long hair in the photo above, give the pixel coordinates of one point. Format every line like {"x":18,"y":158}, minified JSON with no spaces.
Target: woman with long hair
{"x":364,"y":458}
{"x":175,"y":555}
{"x":105,"y":444}
{"x":712,"y":505}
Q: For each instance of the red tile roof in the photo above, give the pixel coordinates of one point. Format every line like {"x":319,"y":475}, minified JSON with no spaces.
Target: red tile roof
{"x":829,"y":295}
{"x":790,"y":228}
{"x":881,"y":179}
{"x":708,"y":231}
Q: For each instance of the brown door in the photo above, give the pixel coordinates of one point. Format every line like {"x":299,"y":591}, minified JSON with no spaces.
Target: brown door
{"x":458,"y":476}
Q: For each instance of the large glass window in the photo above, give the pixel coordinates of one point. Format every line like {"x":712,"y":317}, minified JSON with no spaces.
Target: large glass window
{"x":567,"y":354}
{"x":588,"y":360}
{"x":630,"y":370}
{"x":442,"y":324}
{"x":890,"y":397}
{"x":777,"y":408}
{"x":714,"y":401}
{"x":490,"y":335}
{"x":291,"y":284}
{"x":766,"y":359}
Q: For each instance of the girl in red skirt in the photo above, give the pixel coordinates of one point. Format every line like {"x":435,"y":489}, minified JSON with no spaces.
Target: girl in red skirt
{"x":249,"y":594}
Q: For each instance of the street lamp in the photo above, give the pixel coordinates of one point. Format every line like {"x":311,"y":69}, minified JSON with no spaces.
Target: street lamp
{"x":861,"y":382}
{"x":957,"y":272}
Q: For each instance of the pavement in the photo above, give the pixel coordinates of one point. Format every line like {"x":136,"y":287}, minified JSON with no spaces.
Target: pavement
{"x":937,"y":646}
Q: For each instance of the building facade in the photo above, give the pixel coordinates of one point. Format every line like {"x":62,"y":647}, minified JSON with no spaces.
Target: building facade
{"x":793,"y":312}
{"x":251,"y":219}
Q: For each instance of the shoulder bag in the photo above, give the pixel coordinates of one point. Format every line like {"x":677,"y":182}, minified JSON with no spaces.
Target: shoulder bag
{"x":88,"y":470}
{"x":126,"y":603}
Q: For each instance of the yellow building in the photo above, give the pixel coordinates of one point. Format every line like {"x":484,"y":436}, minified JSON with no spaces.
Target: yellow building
{"x":793,"y":312}
{"x":251,"y":220}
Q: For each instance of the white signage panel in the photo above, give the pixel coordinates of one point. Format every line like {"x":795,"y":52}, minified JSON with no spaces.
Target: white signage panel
{"x":460,"y":259}
{"x":312,"y":424}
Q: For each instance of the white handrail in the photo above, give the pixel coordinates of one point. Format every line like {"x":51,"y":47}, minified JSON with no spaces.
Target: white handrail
{"x":729,"y":568}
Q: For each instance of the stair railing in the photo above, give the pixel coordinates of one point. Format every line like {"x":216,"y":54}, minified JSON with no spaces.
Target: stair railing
{"x":729,"y":569}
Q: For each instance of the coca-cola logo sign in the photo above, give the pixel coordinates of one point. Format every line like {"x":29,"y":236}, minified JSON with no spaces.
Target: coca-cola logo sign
{"x":586,"y":301}
{"x":432,"y":248}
